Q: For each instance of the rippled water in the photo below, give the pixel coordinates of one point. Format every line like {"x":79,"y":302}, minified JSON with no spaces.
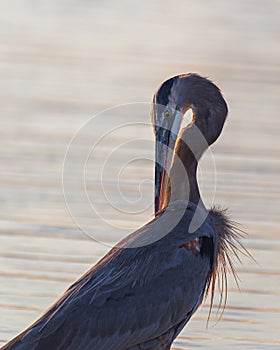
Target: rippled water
{"x":62,"y":62}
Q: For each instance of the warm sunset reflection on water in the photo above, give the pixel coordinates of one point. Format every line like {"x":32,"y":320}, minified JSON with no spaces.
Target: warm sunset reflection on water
{"x":62,"y":62}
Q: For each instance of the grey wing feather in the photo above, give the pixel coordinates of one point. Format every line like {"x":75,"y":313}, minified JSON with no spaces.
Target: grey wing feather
{"x":131,"y":296}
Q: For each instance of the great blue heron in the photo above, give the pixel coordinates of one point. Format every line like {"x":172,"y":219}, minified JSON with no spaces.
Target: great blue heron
{"x":142,"y":293}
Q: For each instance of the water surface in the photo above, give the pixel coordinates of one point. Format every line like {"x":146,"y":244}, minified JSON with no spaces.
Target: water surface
{"x":62,"y":62}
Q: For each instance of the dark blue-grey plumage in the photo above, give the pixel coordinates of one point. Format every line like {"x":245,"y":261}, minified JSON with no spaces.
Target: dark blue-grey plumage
{"x":132,"y":296}
{"x":143,"y":292}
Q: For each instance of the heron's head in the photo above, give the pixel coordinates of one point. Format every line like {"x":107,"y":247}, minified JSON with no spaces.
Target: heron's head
{"x":171,"y":101}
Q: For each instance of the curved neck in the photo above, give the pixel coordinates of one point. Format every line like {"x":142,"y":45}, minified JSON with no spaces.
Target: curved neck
{"x":182,"y":184}
{"x":209,"y":114}
{"x":192,"y":142}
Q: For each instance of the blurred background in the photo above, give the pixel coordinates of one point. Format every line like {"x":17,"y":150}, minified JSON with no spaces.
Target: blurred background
{"x":64,"y":61}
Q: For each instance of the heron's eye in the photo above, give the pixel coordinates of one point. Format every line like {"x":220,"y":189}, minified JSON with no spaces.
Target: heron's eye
{"x":166,"y":114}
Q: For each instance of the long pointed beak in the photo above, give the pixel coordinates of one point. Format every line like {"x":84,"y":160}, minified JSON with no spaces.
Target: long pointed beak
{"x":166,"y":132}
{"x":165,"y":143}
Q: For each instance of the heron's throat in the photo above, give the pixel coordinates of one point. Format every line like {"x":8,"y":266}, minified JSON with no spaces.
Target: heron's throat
{"x":182,"y":182}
